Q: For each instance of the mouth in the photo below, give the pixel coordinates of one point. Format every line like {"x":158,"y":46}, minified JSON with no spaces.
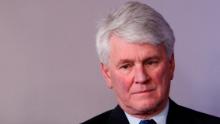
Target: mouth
{"x":144,"y":91}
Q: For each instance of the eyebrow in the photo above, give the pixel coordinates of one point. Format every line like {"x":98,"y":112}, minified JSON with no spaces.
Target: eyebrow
{"x":131,"y":61}
{"x":124,"y":61}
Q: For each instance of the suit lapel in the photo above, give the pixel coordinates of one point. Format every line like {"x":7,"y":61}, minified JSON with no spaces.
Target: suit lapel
{"x":176,"y":115}
{"x":118,"y":117}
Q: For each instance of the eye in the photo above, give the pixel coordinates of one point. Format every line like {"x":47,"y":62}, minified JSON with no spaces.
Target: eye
{"x":151,"y":62}
{"x":125,"y":66}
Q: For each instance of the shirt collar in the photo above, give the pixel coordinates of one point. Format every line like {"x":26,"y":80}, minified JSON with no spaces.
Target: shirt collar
{"x":160,"y":118}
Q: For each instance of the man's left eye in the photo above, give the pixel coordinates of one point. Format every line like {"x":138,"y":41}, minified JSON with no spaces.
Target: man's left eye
{"x":151,"y":62}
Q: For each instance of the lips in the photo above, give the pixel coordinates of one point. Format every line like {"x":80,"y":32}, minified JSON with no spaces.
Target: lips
{"x":143,"y":91}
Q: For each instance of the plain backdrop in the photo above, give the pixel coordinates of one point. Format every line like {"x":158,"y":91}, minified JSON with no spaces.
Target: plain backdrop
{"x":49,"y":70}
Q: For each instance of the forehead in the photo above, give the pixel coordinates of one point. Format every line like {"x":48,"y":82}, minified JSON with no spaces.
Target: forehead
{"x":121,"y":48}
{"x":120,"y":41}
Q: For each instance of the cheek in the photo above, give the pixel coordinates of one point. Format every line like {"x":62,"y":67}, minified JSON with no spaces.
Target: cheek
{"x":162,"y":78}
{"x":164,"y":84}
{"x":121,"y":83}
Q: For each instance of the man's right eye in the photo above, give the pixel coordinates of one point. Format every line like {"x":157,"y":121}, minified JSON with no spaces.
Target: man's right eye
{"x":126,"y":66}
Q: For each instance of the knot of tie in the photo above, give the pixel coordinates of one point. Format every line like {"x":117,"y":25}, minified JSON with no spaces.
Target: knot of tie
{"x":147,"y":122}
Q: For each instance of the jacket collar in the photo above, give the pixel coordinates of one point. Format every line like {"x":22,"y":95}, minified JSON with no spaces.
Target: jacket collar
{"x":118,"y":116}
{"x":175,"y":115}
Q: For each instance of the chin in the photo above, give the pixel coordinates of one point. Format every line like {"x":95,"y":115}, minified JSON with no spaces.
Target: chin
{"x":147,"y":105}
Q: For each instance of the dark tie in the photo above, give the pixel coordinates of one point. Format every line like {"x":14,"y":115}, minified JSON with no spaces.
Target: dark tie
{"x":148,"y":122}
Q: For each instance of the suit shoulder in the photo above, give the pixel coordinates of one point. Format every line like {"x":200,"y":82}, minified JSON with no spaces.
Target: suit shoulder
{"x":184,"y":115}
{"x":200,"y":117}
{"x":99,"y":119}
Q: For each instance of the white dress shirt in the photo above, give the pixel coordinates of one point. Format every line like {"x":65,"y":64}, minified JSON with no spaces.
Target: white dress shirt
{"x":160,"y":118}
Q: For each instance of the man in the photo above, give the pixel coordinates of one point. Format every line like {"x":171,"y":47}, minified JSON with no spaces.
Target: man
{"x":136,"y":50}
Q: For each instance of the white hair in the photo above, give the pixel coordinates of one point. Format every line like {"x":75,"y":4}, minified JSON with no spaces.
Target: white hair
{"x":137,"y":23}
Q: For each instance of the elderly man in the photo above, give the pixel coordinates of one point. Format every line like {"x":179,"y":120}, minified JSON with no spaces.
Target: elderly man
{"x":136,"y":50}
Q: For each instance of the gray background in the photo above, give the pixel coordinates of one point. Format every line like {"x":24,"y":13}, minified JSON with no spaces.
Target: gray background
{"x":49,"y":72}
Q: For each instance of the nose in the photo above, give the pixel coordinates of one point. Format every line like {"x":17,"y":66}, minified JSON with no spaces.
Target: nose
{"x":141,"y":75}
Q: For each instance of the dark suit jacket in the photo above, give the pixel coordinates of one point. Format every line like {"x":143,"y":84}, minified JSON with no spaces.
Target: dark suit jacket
{"x":176,"y":115}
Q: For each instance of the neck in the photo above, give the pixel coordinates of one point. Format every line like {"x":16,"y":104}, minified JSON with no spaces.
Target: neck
{"x":147,"y":113}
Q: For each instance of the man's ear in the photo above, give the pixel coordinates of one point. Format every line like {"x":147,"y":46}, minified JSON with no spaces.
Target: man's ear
{"x":172,"y":66}
{"x":106,"y":74}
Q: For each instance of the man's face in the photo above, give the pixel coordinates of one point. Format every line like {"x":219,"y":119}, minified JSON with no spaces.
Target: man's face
{"x":140,"y":75}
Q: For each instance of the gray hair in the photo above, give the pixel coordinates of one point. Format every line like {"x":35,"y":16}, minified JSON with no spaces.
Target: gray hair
{"x":137,"y":23}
